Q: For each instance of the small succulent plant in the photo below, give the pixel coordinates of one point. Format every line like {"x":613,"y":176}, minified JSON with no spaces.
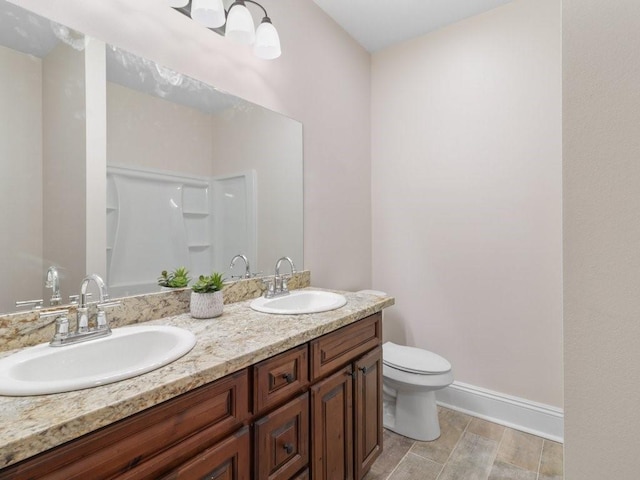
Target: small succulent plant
{"x":208,"y":284}
{"x":179,"y":278}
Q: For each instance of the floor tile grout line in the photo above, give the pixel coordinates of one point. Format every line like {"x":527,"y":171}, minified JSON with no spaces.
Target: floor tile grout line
{"x":441,"y":470}
{"x":454,"y":448}
{"x":400,"y":461}
{"x":504,"y":432}
{"x":495,"y":455}
{"x":540,"y":460}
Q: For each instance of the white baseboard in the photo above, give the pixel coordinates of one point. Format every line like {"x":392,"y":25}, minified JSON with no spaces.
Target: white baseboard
{"x":531,"y":417}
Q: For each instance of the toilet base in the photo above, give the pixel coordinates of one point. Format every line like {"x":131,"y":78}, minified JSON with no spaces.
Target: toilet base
{"x":412,"y":414}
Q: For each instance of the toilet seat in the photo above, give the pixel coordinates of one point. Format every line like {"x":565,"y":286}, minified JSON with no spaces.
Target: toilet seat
{"x":413,"y":360}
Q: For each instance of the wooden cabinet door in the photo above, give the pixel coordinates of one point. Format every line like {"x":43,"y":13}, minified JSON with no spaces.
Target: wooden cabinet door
{"x":281,"y":446}
{"x":332,"y":427}
{"x":227,"y":460}
{"x":368,"y":411}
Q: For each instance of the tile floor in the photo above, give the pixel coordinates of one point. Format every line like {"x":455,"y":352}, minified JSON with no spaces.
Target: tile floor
{"x":469,"y":449}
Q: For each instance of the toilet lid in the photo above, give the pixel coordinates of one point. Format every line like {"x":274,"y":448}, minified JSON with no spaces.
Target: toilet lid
{"x":413,"y":360}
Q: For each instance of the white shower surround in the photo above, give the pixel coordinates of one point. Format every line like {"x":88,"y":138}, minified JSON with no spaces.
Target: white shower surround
{"x":159,"y":221}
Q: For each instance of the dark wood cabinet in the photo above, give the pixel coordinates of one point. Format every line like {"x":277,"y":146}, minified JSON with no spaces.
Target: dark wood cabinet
{"x":314,"y":411}
{"x":368,"y":411}
{"x":278,"y":378}
{"x":332,"y":426}
{"x":227,"y":460}
{"x":346,"y":419}
{"x":149,"y":443}
{"x":282,"y":441}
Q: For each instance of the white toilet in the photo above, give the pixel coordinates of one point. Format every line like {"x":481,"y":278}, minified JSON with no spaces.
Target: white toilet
{"x":410,"y":378}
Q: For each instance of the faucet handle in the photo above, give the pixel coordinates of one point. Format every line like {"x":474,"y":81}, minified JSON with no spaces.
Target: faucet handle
{"x":75,"y":299}
{"x":62,"y":324}
{"x":284,"y":279}
{"x":113,"y":303}
{"x":55,"y":313}
{"x":101,"y":318}
{"x":270,"y":286}
{"x":36,"y":304}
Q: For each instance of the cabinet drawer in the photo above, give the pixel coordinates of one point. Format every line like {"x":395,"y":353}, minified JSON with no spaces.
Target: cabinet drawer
{"x":279,"y":378}
{"x":143,"y":440}
{"x":227,"y":460}
{"x":282,"y":441}
{"x":336,"y":349}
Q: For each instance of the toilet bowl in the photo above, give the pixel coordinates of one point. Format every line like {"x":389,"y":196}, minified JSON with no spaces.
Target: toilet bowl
{"x":410,"y":379}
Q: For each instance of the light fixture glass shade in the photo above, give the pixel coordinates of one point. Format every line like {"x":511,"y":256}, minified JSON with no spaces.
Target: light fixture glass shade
{"x":209,"y":13}
{"x":177,"y":3}
{"x":240,"y":24}
{"x":267,"y":44}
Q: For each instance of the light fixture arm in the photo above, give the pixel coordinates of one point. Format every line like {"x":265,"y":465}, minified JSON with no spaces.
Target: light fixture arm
{"x":251,"y":1}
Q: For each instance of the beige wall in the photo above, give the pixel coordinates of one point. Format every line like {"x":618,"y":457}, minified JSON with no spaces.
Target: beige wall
{"x":467,"y":196}
{"x":21,"y":178}
{"x":322,"y":80}
{"x":274,"y":154}
{"x":96,"y":154}
{"x":601,"y":170}
{"x":64,"y":172}
{"x":147,"y":131}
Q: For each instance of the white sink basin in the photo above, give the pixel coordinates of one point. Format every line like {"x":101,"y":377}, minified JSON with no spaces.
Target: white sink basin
{"x":127,"y":352}
{"x":300,"y":301}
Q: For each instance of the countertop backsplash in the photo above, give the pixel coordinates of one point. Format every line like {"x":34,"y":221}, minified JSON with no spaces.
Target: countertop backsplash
{"x":23,"y":329}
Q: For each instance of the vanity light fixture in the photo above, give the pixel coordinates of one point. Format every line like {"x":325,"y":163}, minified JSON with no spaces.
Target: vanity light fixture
{"x":235,"y":23}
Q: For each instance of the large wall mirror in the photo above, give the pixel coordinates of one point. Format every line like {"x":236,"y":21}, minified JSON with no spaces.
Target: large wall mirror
{"x":116,"y":165}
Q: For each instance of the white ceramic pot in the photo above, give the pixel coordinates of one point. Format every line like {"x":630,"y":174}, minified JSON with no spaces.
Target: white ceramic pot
{"x":206,"y":305}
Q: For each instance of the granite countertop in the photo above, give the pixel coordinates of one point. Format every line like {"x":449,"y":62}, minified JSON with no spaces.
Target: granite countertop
{"x":229,"y":343}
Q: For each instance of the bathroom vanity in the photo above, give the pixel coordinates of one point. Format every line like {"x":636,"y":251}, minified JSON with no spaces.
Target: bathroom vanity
{"x":260,"y":396}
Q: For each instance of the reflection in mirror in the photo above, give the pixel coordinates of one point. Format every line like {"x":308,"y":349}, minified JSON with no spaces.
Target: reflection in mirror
{"x":42,"y":155}
{"x":193,"y":176}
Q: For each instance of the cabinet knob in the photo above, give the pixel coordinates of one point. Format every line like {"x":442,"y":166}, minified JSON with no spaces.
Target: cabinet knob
{"x":288,"y":447}
{"x":288,"y":377}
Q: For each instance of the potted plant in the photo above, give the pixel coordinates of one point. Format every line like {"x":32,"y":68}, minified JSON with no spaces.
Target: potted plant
{"x":179,"y":278}
{"x":206,"y":296}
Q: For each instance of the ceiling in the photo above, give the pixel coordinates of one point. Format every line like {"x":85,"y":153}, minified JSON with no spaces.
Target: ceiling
{"x":377,"y":24}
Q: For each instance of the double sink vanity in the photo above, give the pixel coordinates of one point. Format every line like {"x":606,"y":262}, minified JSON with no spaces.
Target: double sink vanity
{"x":260,"y":395}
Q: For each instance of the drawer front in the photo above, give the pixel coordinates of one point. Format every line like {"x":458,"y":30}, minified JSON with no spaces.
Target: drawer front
{"x":227,"y":460}
{"x":279,"y":378}
{"x":334,"y":350}
{"x":143,"y":439}
{"x":282,"y":441}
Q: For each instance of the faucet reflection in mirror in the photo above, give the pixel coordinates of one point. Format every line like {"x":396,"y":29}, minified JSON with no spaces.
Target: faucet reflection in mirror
{"x":236,"y":23}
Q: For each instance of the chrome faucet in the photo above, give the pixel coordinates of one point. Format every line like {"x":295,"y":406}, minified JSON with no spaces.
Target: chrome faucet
{"x":279,"y":285}
{"x":83,"y":319}
{"x":52,"y":281}
{"x":83,"y":332}
{"x":247,"y":269}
